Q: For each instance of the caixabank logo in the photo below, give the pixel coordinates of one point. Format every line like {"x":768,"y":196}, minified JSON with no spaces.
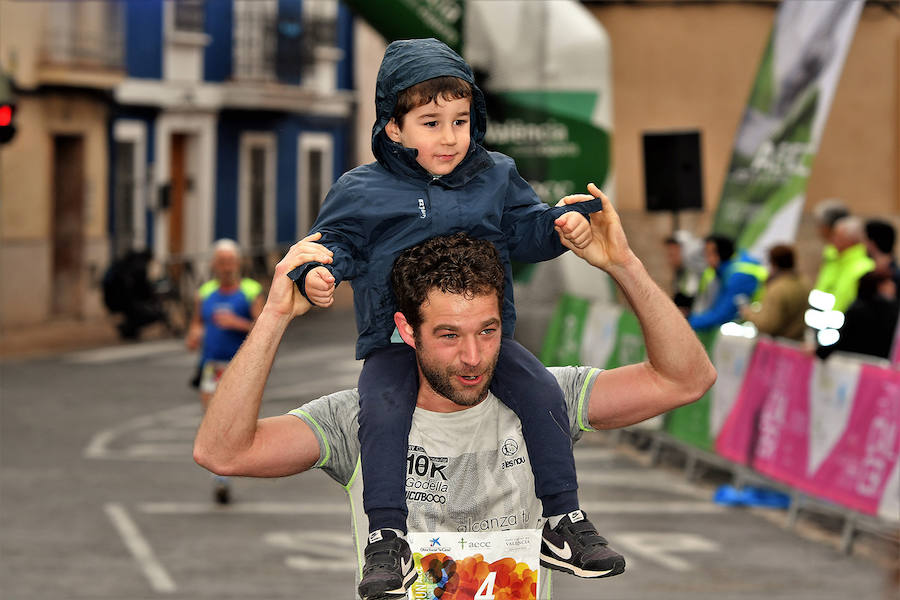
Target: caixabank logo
{"x":434,"y":545}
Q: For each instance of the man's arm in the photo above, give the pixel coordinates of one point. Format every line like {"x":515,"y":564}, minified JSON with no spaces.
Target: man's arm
{"x":232,"y":440}
{"x":677,"y":370}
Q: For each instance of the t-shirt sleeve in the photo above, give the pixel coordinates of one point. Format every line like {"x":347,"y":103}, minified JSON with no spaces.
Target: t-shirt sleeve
{"x":576,"y":384}
{"x":333,"y":420}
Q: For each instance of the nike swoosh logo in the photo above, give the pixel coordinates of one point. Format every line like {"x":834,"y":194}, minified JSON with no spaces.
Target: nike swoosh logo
{"x":564,"y":553}
{"x":406,"y":565}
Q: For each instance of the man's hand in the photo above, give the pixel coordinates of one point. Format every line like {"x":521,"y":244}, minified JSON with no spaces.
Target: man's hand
{"x":226,"y":319}
{"x":320,"y":286}
{"x":607,"y":247}
{"x":284,"y":297}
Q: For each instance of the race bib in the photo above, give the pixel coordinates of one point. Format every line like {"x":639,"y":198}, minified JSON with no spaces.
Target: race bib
{"x":494,"y":565}
{"x":212,"y":373}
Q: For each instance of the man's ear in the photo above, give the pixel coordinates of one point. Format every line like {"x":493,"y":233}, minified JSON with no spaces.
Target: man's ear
{"x":392,"y":129}
{"x":405,"y":329}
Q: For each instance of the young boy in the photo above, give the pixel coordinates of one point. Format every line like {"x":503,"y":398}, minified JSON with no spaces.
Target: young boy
{"x":432,"y":177}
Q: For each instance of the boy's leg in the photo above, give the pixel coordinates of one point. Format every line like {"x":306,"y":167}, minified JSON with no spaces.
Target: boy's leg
{"x":525,"y":385}
{"x":570,"y":542}
{"x":388,"y":386}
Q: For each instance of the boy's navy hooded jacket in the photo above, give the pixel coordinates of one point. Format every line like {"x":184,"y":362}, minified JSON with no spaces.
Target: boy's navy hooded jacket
{"x":374,"y":212}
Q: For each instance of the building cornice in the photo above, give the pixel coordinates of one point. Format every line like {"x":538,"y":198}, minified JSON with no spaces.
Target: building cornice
{"x":172,"y":95}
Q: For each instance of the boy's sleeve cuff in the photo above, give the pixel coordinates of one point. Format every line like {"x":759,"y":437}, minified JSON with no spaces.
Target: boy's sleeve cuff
{"x":585,"y":208}
{"x":298,"y":276}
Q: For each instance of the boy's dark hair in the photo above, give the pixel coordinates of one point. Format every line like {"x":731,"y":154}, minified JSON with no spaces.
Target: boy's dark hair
{"x":882,"y":235}
{"x":724,"y":246}
{"x":453,"y":264}
{"x":781,"y":257}
{"x":426,"y":92}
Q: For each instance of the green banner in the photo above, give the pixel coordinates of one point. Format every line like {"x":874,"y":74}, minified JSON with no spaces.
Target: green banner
{"x":407,"y":19}
{"x":691,"y":423}
{"x":765,"y":187}
{"x":550,"y":134}
{"x":562,"y":345}
{"x":629,"y":348}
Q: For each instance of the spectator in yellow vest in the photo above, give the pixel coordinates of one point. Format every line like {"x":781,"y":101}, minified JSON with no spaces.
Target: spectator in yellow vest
{"x":827,"y":213}
{"x":739,"y":277}
{"x":840,"y":277}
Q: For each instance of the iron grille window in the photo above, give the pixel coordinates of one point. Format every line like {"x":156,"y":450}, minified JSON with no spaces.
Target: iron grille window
{"x":86,"y":35}
{"x":255,"y":39}
{"x":189,"y":15}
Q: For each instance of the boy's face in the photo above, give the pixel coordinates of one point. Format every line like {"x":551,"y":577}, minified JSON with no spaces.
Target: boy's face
{"x":439,"y":131}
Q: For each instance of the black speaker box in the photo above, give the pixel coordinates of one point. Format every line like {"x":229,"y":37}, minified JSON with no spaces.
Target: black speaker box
{"x":673,"y":178}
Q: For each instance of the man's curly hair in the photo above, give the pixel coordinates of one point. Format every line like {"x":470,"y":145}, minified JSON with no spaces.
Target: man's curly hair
{"x":453,"y":264}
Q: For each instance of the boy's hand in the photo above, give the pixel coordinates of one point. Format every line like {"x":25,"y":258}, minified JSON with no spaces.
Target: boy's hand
{"x":608,"y":248}
{"x":284,"y":297}
{"x":574,"y":228}
{"x":320,"y":287}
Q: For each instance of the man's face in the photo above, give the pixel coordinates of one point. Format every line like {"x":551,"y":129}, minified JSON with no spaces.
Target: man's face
{"x":226,"y":267}
{"x":457,"y":346}
{"x":673,"y":255}
{"x":439,"y":131}
{"x":712,"y":255}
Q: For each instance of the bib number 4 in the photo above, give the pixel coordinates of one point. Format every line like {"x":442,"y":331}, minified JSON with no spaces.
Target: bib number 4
{"x":486,"y":591}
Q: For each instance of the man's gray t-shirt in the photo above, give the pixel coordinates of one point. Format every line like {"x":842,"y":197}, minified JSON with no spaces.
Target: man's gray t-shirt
{"x":466,"y":471}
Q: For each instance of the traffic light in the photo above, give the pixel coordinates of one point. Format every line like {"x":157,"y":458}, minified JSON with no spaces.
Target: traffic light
{"x":7,"y":123}
{"x":7,"y":110}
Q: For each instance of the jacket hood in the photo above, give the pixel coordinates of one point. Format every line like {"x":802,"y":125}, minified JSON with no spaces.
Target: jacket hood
{"x":406,"y":63}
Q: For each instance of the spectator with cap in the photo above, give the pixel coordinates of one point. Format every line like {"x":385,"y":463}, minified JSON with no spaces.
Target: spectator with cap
{"x":840,"y":277}
{"x":780,"y":314}
{"x":880,"y":238}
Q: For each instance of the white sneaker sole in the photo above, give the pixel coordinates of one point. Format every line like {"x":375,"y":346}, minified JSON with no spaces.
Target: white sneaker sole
{"x":561,"y":565}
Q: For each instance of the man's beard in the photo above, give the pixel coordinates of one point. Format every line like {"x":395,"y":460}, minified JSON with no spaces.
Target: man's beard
{"x":440,"y":381}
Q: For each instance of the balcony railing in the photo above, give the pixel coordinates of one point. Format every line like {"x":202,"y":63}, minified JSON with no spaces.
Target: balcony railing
{"x":85,"y":35}
{"x":267,"y":48}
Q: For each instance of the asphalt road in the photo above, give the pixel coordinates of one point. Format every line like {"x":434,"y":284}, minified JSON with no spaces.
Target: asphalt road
{"x":99,"y":498}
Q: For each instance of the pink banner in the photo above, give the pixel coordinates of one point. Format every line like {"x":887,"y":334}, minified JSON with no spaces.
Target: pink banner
{"x":737,"y":436}
{"x":856,"y":471}
{"x":782,"y":442}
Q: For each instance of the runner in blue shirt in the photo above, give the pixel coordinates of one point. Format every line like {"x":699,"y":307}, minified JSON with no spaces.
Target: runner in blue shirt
{"x":224,"y":312}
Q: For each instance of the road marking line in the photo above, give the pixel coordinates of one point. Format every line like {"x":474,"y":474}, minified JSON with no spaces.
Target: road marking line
{"x":120,"y":353}
{"x":265,"y":508}
{"x":663,"y":547}
{"x":640,"y":479}
{"x":140,"y":549}
{"x":297,"y":508}
{"x":653,"y":507}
